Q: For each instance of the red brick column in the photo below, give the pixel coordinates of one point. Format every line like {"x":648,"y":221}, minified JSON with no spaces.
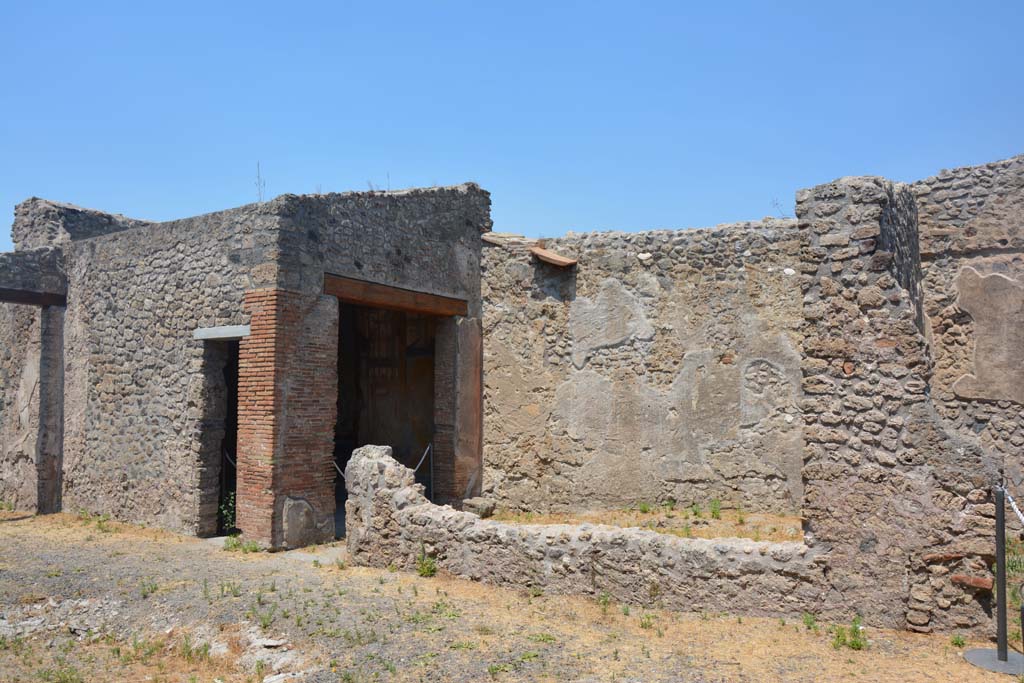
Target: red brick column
{"x":287,"y":404}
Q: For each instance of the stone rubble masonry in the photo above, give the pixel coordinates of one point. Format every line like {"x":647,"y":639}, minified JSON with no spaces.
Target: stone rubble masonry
{"x":389,"y":522}
{"x":142,"y":421}
{"x":36,"y":270}
{"x":665,"y":366}
{"x":972,"y":249}
{"x":860,"y":364}
{"x":44,"y":223}
{"x":886,"y":482}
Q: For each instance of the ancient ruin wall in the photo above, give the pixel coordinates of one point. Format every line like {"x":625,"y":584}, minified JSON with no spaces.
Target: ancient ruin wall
{"x":972,"y":244}
{"x":20,"y":349}
{"x":390,"y":523}
{"x":900,"y":503}
{"x":426,"y":240}
{"x":665,"y":366}
{"x":135,"y":393}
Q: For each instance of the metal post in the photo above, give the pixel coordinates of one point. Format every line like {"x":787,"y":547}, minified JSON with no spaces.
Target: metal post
{"x":1001,"y":574}
{"x":999,"y":660}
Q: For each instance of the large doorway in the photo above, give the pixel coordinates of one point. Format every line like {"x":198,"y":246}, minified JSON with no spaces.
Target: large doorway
{"x":385,"y":389}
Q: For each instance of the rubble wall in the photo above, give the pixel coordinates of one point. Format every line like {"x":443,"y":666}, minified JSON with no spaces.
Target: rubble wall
{"x":135,"y":389}
{"x":389,"y":522}
{"x":664,"y":366}
{"x":900,"y":502}
{"x":972,"y":248}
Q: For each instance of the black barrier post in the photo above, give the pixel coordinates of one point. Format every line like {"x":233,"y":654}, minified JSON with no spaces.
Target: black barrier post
{"x":999,"y":660}
{"x":1001,"y":573}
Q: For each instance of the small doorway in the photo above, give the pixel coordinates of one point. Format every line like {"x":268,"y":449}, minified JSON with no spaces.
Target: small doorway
{"x":226,"y":503}
{"x":218,"y":438}
{"x":385,"y":389}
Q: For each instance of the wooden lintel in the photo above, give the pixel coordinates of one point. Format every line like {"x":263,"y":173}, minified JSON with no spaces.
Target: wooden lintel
{"x":552,"y":258}
{"x":25,"y":296}
{"x":362,"y":293}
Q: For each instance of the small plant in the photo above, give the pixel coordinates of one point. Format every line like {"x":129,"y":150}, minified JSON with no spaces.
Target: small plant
{"x":194,"y":653}
{"x":716,"y":508}
{"x":426,"y":566}
{"x":542,"y":638}
{"x":741,"y":518}
{"x":340,"y":564}
{"x":695,"y":510}
{"x":265,"y":617}
{"x":604,"y":599}
{"x":625,"y":610}
{"x":854,"y":638}
{"x":226,"y":513}
{"x":957,"y":640}
{"x":316,"y":564}
{"x":234,"y":543}
{"x":495,"y":669}
{"x":147,"y":588}
{"x":646,"y":621}
{"x":536,"y":591}
{"x":810,"y":623}
{"x":259,"y":669}
{"x":644,"y":508}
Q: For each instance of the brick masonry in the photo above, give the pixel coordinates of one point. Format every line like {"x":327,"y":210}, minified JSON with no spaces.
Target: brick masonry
{"x":286,"y":415}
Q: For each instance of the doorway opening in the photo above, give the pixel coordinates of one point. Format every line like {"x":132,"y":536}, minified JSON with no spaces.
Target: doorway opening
{"x":228,"y":484}
{"x":218,"y":438}
{"x":385,"y":389}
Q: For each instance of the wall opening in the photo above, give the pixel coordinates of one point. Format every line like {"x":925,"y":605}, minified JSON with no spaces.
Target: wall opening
{"x":385,"y":389}
{"x":218,"y":438}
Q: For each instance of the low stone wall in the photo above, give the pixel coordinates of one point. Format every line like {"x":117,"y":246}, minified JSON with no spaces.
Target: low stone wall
{"x":389,"y":522}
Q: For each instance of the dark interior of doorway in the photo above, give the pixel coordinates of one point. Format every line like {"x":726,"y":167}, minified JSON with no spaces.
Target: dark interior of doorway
{"x":385,"y":389}
{"x":229,"y":445}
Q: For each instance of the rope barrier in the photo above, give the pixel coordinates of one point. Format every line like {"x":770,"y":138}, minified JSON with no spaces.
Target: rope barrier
{"x":1013,"y":504}
{"x":423,"y":458}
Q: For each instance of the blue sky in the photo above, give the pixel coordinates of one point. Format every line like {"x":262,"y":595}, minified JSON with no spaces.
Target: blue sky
{"x":576,"y":116}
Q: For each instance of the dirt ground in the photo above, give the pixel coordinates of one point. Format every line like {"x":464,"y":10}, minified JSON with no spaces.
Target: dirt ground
{"x":85,"y":599}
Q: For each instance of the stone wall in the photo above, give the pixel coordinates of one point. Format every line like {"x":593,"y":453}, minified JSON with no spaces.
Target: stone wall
{"x":900,"y":503}
{"x":426,"y":240}
{"x":389,"y":522}
{"x":972,"y":244}
{"x":664,"y":366}
{"x":34,"y":270}
{"x":135,"y":390}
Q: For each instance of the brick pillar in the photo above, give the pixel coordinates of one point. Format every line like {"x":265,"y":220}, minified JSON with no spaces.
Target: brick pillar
{"x":287,"y":406}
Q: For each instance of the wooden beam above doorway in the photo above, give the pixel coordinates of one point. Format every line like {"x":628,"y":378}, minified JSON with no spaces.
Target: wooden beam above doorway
{"x":32,"y":298}
{"x":362,"y":293}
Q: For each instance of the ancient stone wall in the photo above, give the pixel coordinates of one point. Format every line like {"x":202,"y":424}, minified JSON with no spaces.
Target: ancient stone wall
{"x":389,"y":522}
{"x":972,"y":244}
{"x":135,"y":389}
{"x":33,"y":270}
{"x":20,"y":351}
{"x":426,"y":240}
{"x":664,"y":366}
{"x":900,"y":503}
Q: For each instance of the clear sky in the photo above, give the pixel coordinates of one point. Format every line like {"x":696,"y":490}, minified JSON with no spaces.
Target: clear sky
{"x":576,"y":116}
